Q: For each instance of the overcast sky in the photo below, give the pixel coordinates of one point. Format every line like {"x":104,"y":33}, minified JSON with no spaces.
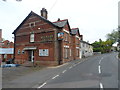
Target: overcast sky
{"x":94,"y":18}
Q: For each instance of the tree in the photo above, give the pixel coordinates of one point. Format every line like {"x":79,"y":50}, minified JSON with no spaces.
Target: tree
{"x":113,"y":36}
{"x":102,"y":46}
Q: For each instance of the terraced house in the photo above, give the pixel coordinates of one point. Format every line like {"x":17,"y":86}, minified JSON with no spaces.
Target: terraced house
{"x":42,"y":42}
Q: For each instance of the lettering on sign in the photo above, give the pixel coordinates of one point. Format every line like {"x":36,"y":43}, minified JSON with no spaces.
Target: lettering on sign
{"x":47,"y":38}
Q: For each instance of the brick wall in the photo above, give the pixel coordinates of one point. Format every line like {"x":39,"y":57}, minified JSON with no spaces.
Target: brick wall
{"x":45,"y":37}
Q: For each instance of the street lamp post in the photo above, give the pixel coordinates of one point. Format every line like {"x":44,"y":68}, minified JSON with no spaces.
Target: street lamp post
{"x":119,"y":39}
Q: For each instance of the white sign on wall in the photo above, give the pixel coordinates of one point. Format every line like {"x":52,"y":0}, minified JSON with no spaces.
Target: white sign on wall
{"x":43,"y":52}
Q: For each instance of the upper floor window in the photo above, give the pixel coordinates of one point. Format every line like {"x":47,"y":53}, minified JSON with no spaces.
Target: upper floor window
{"x":32,"y":37}
{"x":32,"y":24}
{"x":66,"y":37}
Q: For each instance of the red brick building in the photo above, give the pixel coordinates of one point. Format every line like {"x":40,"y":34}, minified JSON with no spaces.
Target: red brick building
{"x":42,"y":42}
{"x":76,"y":37}
{"x":0,"y":38}
{"x":6,"y":51}
{"x":0,"y":44}
{"x":7,"y":44}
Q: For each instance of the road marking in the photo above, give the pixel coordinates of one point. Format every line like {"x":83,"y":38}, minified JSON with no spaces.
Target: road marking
{"x":74,"y":65}
{"x":101,"y":85}
{"x":42,"y":85}
{"x":55,"y":76}
{"x":99,"y":69}
{"x":70,"y":67}
{"x":100,"y":61}
{"x":64,"y":71}
{"x":117,"y":57}
{"x":102,"y":58}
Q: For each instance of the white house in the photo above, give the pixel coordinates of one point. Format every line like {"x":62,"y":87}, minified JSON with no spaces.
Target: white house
{"x":118,"y":47}
{"x":86,"y":49}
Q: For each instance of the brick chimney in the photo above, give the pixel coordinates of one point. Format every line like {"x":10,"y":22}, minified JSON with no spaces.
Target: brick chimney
{"x":81,"y":37}
{"x":44,"y":13}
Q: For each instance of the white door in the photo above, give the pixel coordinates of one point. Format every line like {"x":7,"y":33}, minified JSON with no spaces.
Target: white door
{"x":32,"y":56}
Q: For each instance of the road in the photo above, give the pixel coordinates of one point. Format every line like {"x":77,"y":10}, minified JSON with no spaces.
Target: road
{"x":96,"y":72}
{"x":99,"y":71}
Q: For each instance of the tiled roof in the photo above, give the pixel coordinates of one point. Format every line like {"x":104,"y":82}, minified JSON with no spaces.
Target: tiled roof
{"x":85,"y":42}
{"x":74,"y":30}
{"x":60,"y":23}
{"x":32,"y":13}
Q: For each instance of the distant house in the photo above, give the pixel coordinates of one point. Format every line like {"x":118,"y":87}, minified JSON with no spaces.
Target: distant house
{"x":76,"y":42}
{"x":6,"y":49}
{"x":86,"y":49}
{"x":6,"y":53}
{"x":0,"y":38}
{"x":118,"y":47}
{"x":0,"y":44}
{"x":7,"y":44}
{"x":42,"y":42}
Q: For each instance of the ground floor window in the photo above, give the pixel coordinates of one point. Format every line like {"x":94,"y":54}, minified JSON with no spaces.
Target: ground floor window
{"x":66,"y":52}
{"x":77,"y":52}
{"x":70,"y":53}
{"x":5,"y":56}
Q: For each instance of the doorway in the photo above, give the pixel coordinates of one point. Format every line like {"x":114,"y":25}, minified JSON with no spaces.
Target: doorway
{"x":31,"y":55}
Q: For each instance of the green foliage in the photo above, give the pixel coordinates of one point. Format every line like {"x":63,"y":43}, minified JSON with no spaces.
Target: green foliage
{"x":102,"y":46}
{"x":113,"y":36}
{"x":105,"y":46}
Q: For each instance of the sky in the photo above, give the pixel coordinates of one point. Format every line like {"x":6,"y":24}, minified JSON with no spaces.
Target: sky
{"x":94,"y":18}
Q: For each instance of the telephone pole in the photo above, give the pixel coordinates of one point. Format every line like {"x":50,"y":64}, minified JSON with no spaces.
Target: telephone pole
{"x":119,"y":40}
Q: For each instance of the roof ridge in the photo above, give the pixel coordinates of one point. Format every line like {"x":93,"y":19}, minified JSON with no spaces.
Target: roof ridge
{"x":29,"y":16}
{"x":74,"y":28}
{"x":60,"y":21}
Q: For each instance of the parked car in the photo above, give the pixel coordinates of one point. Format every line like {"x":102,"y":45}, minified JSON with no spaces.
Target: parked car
{"x":9,"y":61}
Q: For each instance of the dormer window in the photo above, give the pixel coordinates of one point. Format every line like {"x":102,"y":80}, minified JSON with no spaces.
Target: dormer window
{"x":32,"y":24}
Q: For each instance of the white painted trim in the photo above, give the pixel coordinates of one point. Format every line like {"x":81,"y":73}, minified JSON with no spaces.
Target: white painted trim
{"x":77,"y":47}
{"x":78,"y":37}
{"x":65,"y":31}
{"x":66,"y":46}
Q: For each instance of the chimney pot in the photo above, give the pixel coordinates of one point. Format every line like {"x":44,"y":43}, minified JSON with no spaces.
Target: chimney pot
{"x":44,"y":13}
{"x":58,"y":19}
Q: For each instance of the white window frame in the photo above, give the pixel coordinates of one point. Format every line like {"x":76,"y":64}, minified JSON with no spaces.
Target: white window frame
{"x":18,"y":52}
{"x":5,"y":56}
{"x":32,"y":24}
{"x":43,"y":52}
{"x":70,"y":53}
{"x":23,"y":51}
{"x":66,"y":51}
{"x":32,"y":37}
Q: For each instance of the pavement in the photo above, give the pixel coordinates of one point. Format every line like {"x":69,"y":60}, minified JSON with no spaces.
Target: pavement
{"x":11,"y":73}
{"x":27,"y":77}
